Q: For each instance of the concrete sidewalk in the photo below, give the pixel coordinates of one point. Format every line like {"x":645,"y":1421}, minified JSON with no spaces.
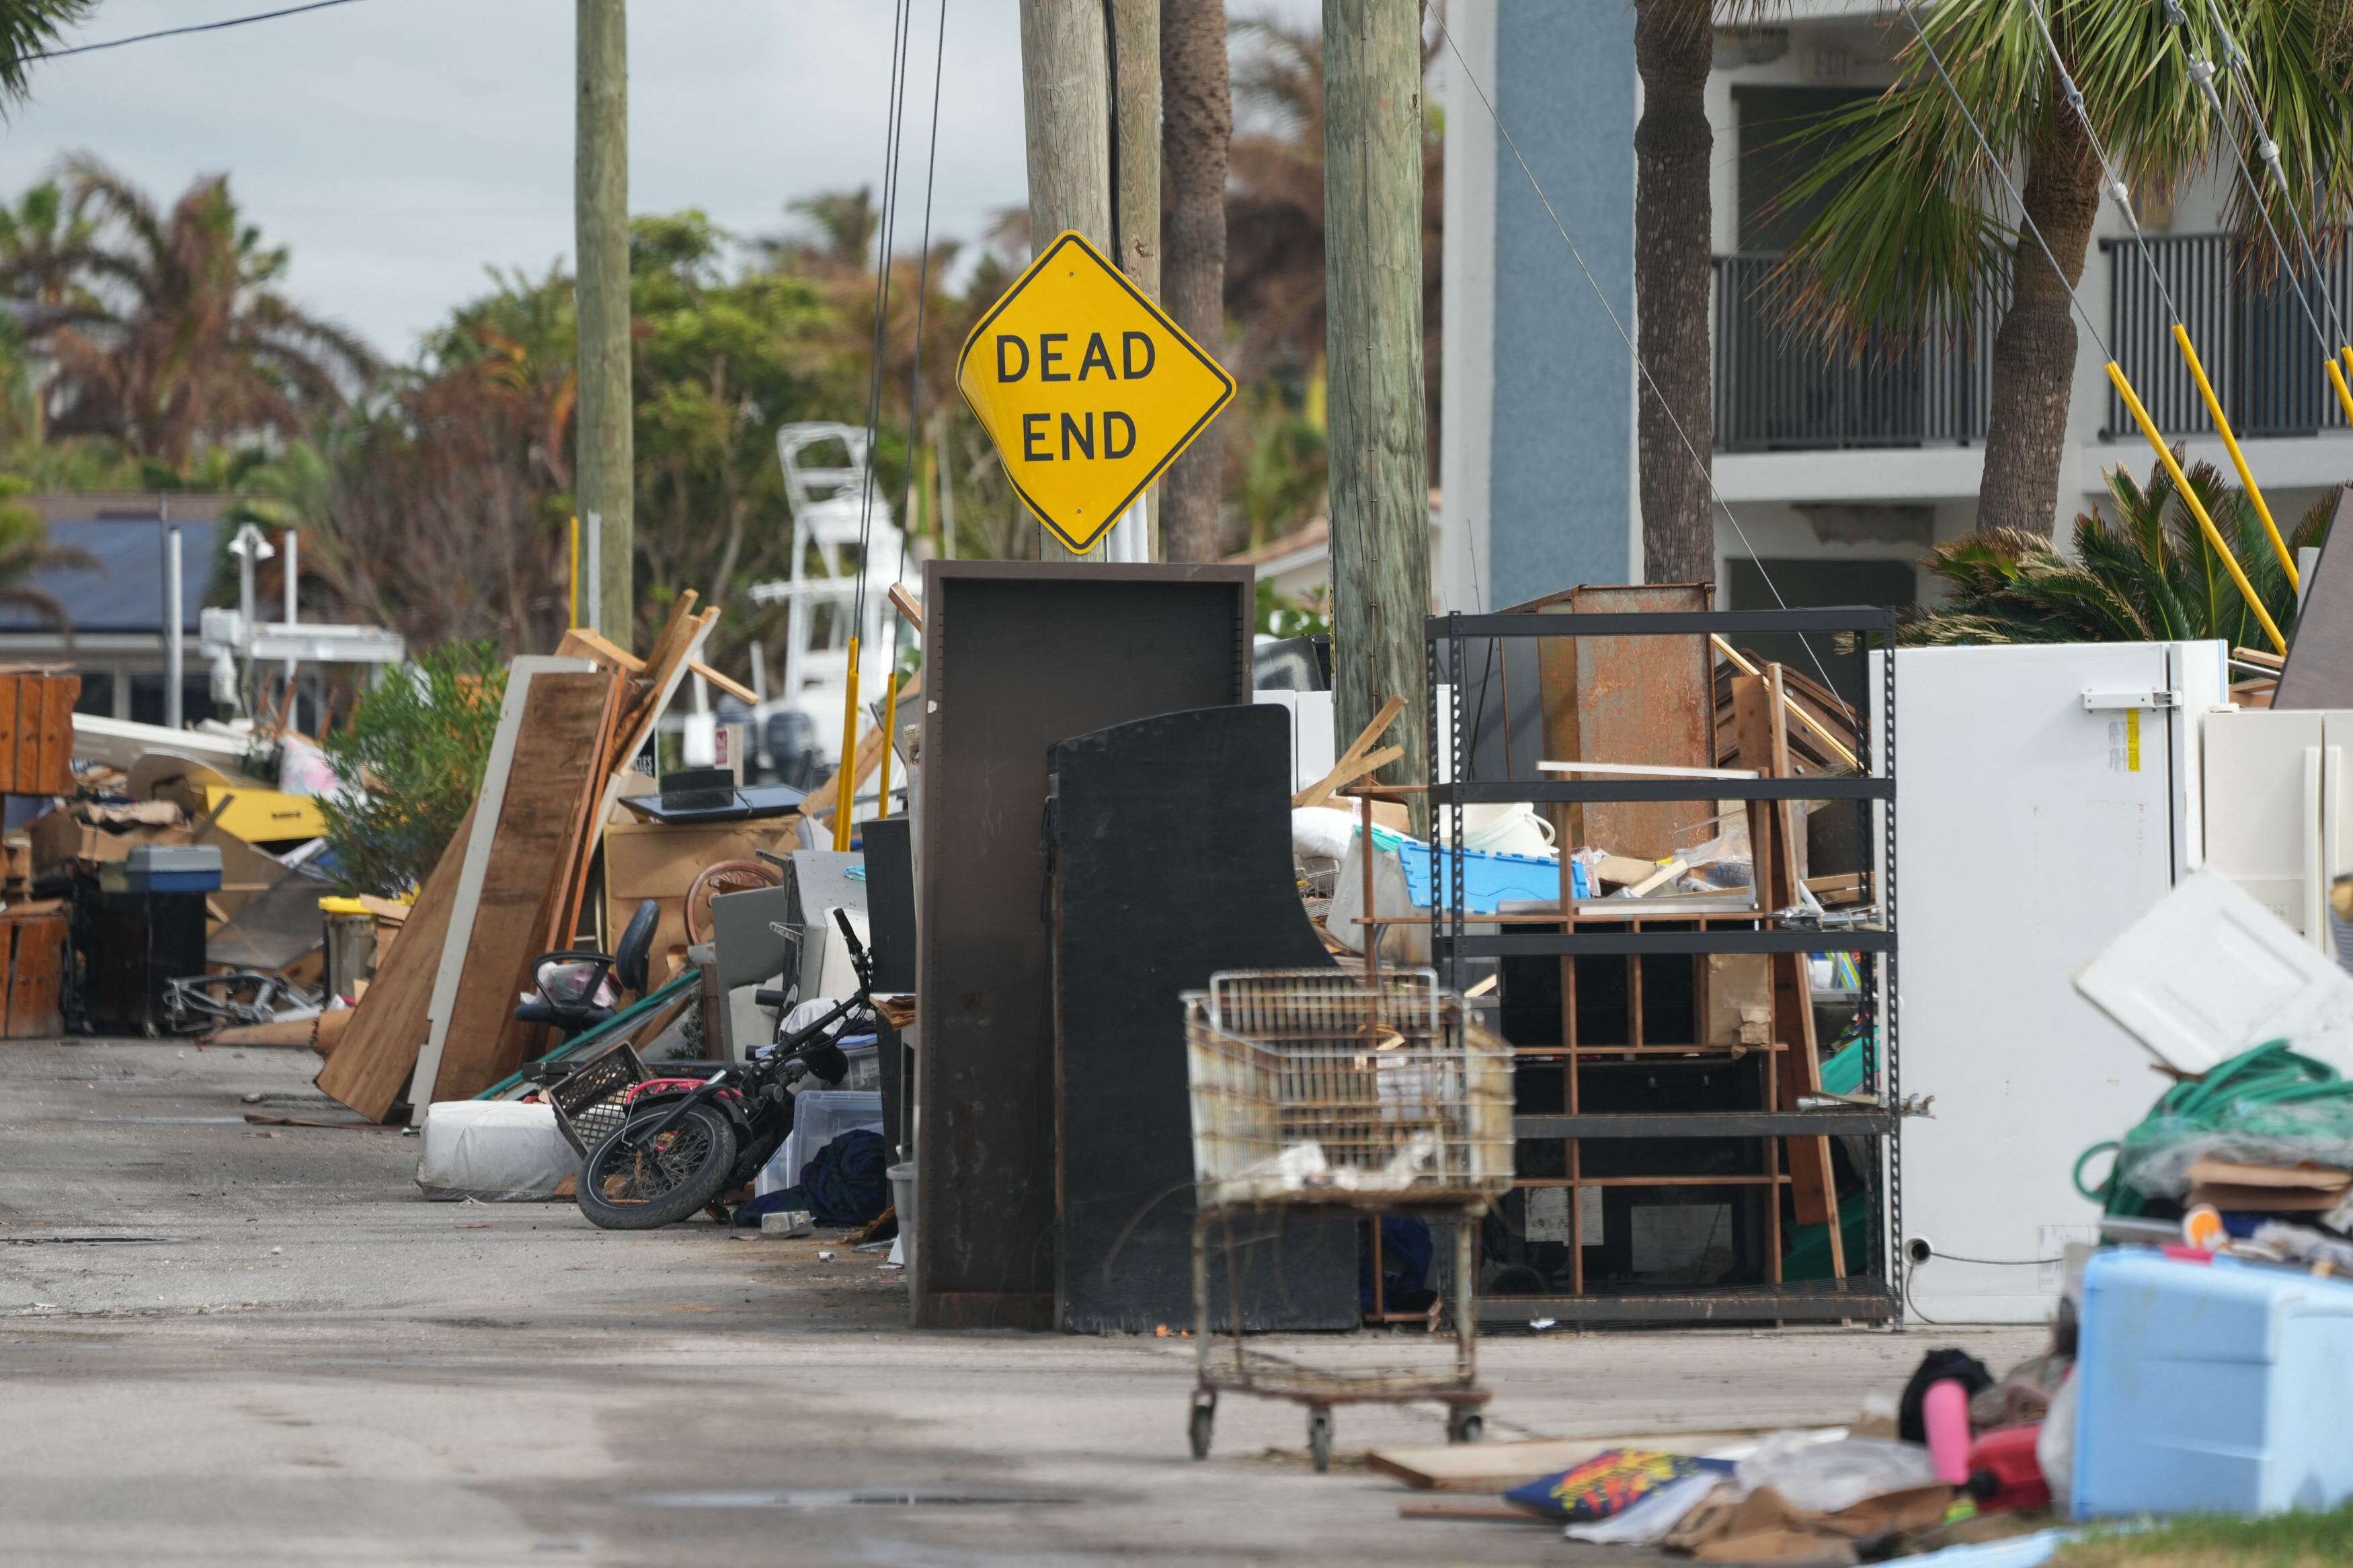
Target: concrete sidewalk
{"x":222,"y":1344}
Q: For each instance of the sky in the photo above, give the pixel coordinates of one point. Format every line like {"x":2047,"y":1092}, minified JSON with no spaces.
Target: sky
{"x":401,"y":146}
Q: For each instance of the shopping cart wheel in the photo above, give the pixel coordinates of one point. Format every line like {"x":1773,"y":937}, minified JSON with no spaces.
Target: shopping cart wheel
{"x":1464,"y":1426}
{"x":1205,"y":1415}
{"x":1319,"y":1438}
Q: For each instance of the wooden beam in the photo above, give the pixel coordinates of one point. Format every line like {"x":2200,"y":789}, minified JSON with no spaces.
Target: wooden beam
{"x":729,"y":684}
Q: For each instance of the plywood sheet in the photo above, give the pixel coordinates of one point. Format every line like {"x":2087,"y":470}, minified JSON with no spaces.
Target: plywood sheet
{"x":1629,"y":700}
{"x":379,"y":1046}
{"x":559,"y":743}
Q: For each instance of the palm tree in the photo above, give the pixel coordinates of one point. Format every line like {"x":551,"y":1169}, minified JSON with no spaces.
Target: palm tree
{"x":1197,"y":136}
{"x":183,"y":339}
{"x":25,"y":551}
{"x":2146,"y":575}
{"x":1915,"y":235}
{"x":27,"y":28}
{"x":1674,"y":49}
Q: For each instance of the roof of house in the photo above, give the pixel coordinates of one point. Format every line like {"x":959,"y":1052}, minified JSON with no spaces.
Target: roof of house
{"x":126,"y":593}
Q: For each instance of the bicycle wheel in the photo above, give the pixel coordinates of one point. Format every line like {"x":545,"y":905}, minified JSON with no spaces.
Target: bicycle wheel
{"x":661,"y":1180}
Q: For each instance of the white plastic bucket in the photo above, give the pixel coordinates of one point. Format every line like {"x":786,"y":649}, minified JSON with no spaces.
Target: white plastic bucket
{"x":1511,"y":828}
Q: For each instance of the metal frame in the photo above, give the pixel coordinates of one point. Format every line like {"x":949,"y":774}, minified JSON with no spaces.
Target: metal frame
{"x":1859,"y":1296}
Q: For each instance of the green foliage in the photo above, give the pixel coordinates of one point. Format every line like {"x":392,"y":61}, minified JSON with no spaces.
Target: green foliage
{"x":29,"y":27}
{"x":411,"y":761}
{"x":1911,"y":235}
{"x":2148,"y":574}
{"x":1281,"y":615}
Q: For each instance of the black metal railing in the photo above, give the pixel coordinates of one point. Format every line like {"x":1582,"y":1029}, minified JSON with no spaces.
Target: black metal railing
{"x":1781,"y":389}
{"x":2250,"y":334}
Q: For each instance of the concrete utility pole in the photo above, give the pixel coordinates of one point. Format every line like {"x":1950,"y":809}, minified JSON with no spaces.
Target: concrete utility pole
{"x":1066,"y":111}
{"x":1135,"y":195}
{"x":1372,"y":248}
{"x":604,"y":469}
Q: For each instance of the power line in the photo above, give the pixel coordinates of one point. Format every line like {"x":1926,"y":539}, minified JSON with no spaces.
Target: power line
{"x":175,"y":32}
{"x":1706,"y":476}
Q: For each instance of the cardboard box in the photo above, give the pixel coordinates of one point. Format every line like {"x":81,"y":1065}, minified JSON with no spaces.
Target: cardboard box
{"x":1734,"y":981}
{"x":60,"y":842}
{"x":649,"y":860}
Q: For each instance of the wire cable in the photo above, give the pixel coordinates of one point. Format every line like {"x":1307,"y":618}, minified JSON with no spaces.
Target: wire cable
{"x":2201,"y":71}
{"x":914,"y":405}
{"x":2117,"y":376}
{"x":2002,"y":176}
{"x":2267,"y":150}
{"x":1707,"y":475}
{"x":2114,"y":184}
{"x":175,"y":32}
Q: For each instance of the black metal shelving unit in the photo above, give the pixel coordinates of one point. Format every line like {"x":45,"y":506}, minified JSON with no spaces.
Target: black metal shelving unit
{"x":1872,"y":1289}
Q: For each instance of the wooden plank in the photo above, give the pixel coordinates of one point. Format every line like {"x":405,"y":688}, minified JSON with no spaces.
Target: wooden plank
{"x":727,"y":683}
{"x":552,"y":747}
{"x":1322,"y":789}
{"x":1761,"y":722}
{"x":559,"y":912}
{"x":1633,"y":700}
{"x":820,"y":800}
{"x":1496,"y":1466}
{"x":37,"y":978}
{"x":379,"y":1046}
{"x":581,"y":642}
{"x":56,"y":734}
{"x":9,"y":731}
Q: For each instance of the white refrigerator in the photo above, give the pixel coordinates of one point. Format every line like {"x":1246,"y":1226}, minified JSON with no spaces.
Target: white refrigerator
{"x":2046,"y":795}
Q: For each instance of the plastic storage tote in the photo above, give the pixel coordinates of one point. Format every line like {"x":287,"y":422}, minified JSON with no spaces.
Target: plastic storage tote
{"x":819,"y":1115}
{"x":2211,"y":1389}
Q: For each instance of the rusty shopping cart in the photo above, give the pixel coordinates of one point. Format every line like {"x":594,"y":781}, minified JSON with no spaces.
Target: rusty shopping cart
{"x":1318,"y":1088}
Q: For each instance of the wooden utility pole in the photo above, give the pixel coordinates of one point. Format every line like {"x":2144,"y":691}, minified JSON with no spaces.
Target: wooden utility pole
{"x":1135,"y":173}
{"x":605,"y":465}
{"x":1379,"y":483}
{"x":1066,"y":112}
{"x":1198,"y":134}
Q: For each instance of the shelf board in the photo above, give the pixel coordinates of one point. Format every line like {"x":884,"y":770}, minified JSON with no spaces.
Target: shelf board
{"x":1657,"y":623}
{"x":1867,"y":1121}
{"x":1864,"y":1297}
{"x":1659,"y":943}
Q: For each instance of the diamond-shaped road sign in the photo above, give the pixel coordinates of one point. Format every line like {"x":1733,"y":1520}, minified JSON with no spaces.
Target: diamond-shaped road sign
{"x":1087,"y":387}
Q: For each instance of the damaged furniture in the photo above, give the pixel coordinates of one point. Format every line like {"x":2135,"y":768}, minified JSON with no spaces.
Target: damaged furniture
{"x":1142,"y":916}
{"x":1018,"y":657}
{"x":1712,"y":1134}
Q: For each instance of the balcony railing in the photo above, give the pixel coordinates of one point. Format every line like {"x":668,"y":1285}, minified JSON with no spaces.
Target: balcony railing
{"x":2250,"y":334}
{"x":1778,"y":390}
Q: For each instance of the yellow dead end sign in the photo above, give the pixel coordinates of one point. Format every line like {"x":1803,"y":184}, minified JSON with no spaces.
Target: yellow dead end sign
{"x":1088,"y":389}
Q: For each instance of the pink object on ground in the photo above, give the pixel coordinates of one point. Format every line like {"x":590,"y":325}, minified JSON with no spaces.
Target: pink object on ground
{"x":1945,"y":1412}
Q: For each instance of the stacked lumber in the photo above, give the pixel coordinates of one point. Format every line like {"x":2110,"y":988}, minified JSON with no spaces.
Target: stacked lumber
{"x":37,"y":718}
{"x":438,"y":1021}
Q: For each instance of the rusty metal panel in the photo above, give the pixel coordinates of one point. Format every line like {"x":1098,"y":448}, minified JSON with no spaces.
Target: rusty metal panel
{"x":1629,"y":700}
{"x":1019,"y":655}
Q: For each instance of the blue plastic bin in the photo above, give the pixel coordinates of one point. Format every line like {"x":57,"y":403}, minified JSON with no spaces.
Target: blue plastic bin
{"x":2211,"y":1389}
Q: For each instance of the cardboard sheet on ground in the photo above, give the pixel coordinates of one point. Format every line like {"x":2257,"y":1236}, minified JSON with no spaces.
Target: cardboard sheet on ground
{"x":2209,"y":972}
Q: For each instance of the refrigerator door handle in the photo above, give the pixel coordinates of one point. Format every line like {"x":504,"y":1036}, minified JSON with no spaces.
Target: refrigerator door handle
{"x":2314,"y":867}
{"x":2323,"y":876}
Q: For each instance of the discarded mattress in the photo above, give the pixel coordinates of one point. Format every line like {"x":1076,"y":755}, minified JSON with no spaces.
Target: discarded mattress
{"x":493,"y":1151}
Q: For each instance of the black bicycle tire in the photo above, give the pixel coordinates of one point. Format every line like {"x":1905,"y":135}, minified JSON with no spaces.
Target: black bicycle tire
{"x":683,"y":1201}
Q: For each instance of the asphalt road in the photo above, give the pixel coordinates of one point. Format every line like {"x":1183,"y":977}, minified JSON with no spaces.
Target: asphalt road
{"x":229,"y":1344}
